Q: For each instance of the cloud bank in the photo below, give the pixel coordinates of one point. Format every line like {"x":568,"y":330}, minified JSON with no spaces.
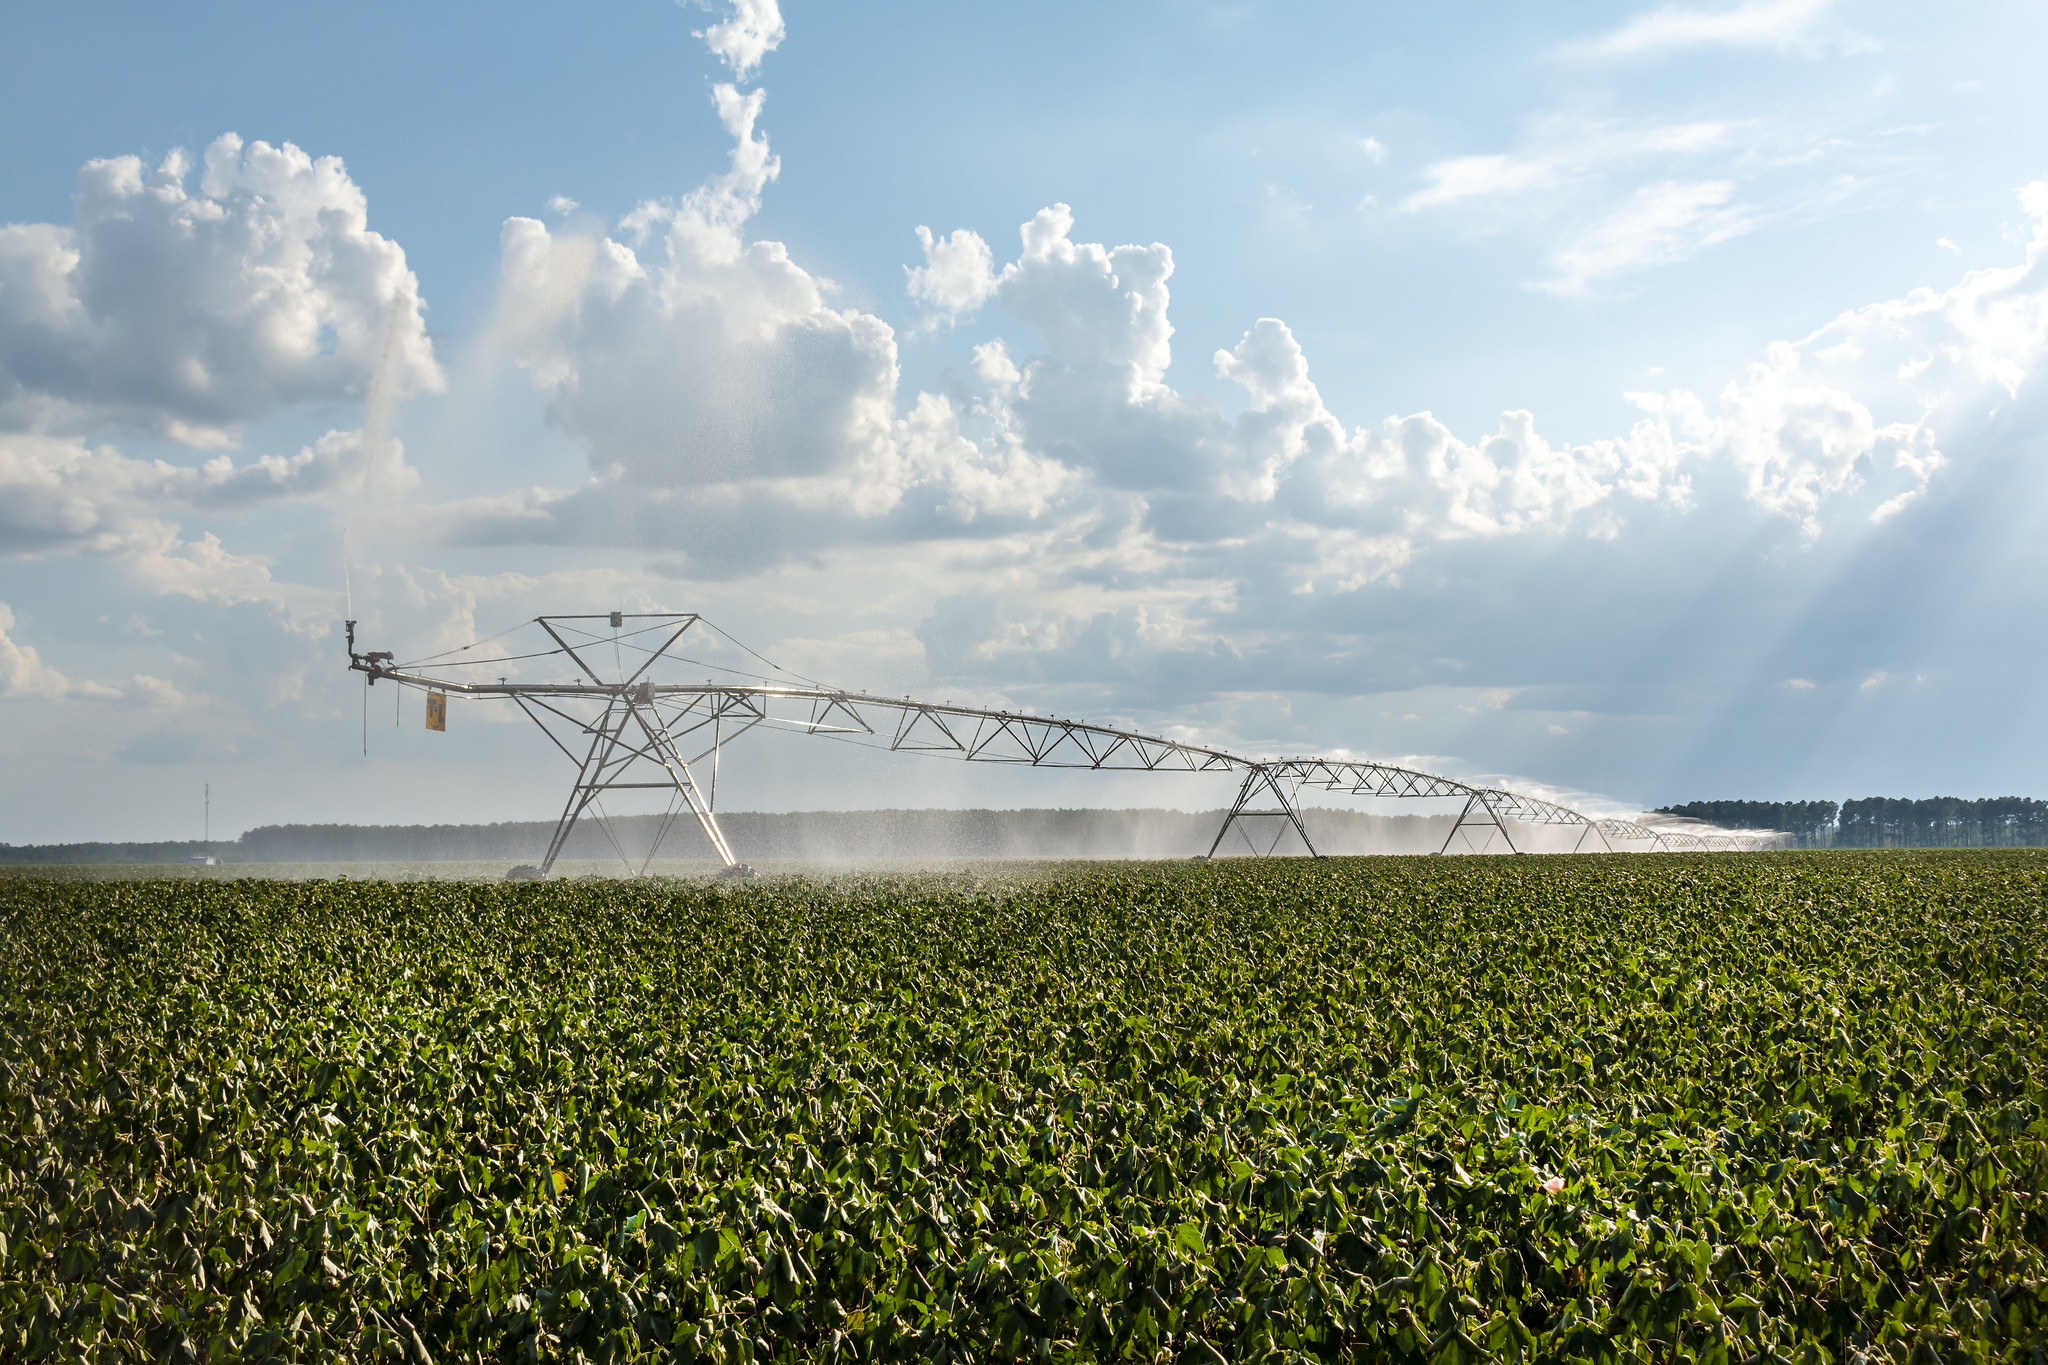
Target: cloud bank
{"x":188,"y":314}
{"x":187,"y":311}
{"x":736,"y":418}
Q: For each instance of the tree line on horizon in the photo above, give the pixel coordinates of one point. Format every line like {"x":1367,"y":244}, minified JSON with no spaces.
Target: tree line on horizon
{"x":1884,"y":821}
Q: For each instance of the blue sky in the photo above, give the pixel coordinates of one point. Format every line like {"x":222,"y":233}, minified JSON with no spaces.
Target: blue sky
{"x":1186,"y":411}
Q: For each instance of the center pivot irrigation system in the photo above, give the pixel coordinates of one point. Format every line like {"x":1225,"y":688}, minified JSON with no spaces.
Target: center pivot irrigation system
{"x":626,"y":727}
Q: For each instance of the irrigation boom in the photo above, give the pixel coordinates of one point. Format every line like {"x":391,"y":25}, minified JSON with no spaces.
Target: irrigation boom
{"x":626,"y":730}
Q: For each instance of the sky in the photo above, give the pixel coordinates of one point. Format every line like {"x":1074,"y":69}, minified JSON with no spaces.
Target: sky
{"x":1629,"y":403}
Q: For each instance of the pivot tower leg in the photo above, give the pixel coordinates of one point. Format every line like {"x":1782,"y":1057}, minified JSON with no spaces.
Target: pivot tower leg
{"x":614,"y":748}
{"x":1256,"y":779}
{"x":1492,"y":821}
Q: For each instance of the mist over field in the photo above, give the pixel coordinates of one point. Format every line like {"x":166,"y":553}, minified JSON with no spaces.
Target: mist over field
{"x":815,"y":836}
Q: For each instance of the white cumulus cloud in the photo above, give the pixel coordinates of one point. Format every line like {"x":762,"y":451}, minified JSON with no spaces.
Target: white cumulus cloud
{"x":22,"y":670}
{"x":59,"y":495}
{"x":205,"y":570}
{"x":729,"y":407}
{"x":710,"y":360}
{"x":957,"y":277}
{"x":25,"y":676}
{"x":188,"y":311}
{"x":737,"y":417}
{"x":751,"y":31}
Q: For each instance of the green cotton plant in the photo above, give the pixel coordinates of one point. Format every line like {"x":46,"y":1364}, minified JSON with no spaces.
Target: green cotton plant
{"x":1721,"y":1108}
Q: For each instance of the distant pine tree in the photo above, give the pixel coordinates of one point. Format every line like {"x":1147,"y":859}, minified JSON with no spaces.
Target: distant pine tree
{"x":1808,"y":822}
{"x":1944,"y":822}
{"x":1885,"y":822}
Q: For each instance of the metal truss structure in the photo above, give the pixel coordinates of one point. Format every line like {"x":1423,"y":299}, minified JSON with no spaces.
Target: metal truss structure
{"x":625,"y":729}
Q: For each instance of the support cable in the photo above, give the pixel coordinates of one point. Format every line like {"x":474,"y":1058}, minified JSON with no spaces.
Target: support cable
{"x":759,"y":655}
{"x":668,"y":818}
{"x":604,"y":822}
{"x":493,"y":659}
{"x":472,"y":644}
